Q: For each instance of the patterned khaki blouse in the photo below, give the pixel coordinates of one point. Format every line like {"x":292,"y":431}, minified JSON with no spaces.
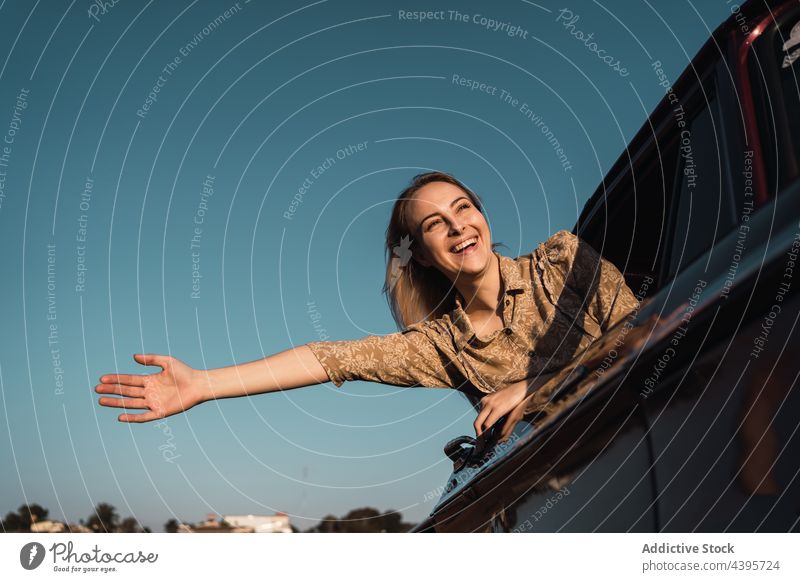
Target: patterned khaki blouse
{"x":558,"y":299}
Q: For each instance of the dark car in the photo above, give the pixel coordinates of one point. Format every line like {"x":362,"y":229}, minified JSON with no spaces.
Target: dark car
{"x":686,"y":416}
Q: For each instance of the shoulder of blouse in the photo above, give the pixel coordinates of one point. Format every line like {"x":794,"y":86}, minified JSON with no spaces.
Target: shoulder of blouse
{"x":440,"y":331}
{"x":557,"y":261}
{"x":565,"y":260}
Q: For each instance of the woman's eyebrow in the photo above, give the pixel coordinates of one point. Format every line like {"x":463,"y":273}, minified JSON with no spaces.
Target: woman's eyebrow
{"x":435,"y":213}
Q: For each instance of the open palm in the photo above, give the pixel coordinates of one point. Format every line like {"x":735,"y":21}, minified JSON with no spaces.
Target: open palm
{"x":162,"y":394}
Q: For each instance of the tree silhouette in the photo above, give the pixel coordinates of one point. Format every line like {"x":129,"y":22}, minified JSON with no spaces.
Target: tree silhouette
{"x":392,"y":522}
{"x":363,"y":520}
{"x":329,"y":524}
{"x":131,"y":525}
{"x":12,"y":522}
{"x":25,"y":516}
{"x":105,"y":518}
{"x":171,"y":526}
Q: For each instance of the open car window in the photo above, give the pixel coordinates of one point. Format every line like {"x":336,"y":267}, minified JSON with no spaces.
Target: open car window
{"x":628,"y":223}
{"x":677,"y":195}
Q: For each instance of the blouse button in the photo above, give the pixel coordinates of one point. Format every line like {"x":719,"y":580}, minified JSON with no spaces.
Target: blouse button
{"x":531,"y":353}
{"x":508,"y":331}
{"x":508,"y":301}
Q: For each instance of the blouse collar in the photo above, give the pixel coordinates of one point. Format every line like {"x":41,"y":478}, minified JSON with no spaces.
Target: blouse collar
{"x":510,"y":279}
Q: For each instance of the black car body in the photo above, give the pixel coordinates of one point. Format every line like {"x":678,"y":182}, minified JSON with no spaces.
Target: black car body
{"x":686,"y":416}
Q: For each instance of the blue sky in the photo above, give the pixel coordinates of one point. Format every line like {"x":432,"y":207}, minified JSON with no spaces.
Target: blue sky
{"x":118,"y":119}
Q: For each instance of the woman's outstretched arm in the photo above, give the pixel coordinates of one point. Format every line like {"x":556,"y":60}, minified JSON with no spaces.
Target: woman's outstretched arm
{"x":178,"y":387}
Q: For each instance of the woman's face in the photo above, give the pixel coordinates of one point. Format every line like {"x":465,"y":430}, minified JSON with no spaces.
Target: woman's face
{"x":452,"y":234}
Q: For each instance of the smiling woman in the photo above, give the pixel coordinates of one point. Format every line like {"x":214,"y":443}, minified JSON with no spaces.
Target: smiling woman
{"x":471,"y":319}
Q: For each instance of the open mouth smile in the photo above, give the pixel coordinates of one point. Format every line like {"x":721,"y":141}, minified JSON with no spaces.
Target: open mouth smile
{"x":465,"y":247}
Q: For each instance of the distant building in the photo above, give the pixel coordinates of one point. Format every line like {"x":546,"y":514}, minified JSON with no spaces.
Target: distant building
{"x":212,"y":525}
{"x":48,"y":526}
{"x":278,"y":523}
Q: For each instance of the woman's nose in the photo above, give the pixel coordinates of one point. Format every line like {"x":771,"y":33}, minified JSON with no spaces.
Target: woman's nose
{"x":456,"y":227}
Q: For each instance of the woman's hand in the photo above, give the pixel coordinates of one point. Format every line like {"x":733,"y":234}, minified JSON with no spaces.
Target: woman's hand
{"x":511,"y":398}
{"x":513,"y":418}
{"x":173,"y":390}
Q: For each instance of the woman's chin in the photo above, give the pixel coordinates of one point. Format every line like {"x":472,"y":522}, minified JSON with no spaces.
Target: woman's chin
{"x":473,"y":262}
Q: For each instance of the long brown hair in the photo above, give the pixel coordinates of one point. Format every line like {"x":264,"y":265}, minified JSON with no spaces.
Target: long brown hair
{"x":416,"y":293}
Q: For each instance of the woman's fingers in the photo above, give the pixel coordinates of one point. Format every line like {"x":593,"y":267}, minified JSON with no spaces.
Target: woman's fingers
{"x":513,"y":418}
{"x":487,"y":417}
{"x":120,"y":389}
{"x":124,"y":402}
{"x":478,"y":424}
{"x":152,"y":360}
{"x":509,"y":425}
{"x":143,"y":417}
{"x":491,"y":419}
{"x":129,"y":379}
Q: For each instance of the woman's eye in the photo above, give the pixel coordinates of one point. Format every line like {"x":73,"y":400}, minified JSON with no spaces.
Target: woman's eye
{"x":433,"y":223}
{"x":464,"y":205}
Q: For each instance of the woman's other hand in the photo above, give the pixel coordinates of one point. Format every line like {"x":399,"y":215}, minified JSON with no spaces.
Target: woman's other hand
{"x":172,"y":390}
{"x":514,"y":417}
{"x":494,"y":406}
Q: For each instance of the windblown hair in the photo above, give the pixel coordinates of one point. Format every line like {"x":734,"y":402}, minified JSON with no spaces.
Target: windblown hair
{"x":416,"y":293}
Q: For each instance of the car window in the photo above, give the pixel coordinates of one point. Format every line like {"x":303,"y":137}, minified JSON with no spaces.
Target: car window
{"x":704,"y":209}
{"x":628,"y":223}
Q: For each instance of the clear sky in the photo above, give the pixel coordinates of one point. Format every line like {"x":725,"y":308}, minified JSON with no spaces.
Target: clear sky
{"x":179,"y":179}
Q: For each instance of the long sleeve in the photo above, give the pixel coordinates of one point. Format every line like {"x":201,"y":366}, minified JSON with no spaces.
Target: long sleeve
{"x":596,"y":284}
{"x":416,"y":356}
